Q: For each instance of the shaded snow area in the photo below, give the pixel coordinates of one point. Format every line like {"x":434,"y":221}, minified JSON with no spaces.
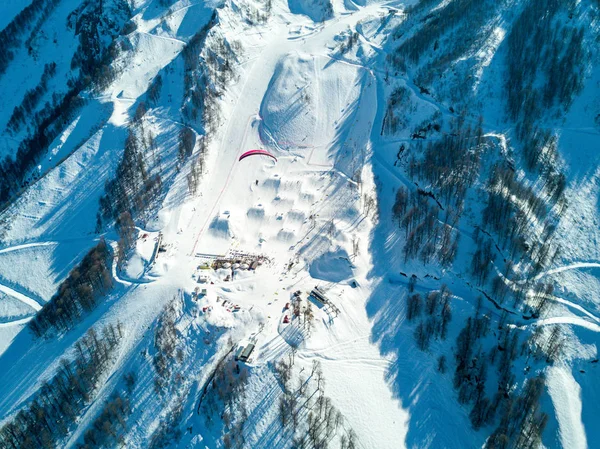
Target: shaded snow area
{"x":353,"y":287}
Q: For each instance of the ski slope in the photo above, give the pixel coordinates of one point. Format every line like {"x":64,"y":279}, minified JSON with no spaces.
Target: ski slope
{"x":319,"y":110}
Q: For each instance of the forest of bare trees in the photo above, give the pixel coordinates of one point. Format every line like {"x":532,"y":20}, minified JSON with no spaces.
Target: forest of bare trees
{"x":10,"y":35}
{"x":47,"y":125}
{"x":30,"y":100}
{"x":194,"y":80}
{"x":94,"y":56}
{"x":306,"y":412}
{"x":446,"y":33}
{"x":510,"y":207}
{"x":395,"y":115}
{"x":76,"y":295}
{"x":427,"y":235}
{"x":97,"y":49}
{"x":154,"y":90}
{"x":545,"y":61}
{"x":451,"y":164}
{"x":54,"y":409}
{"x":225,"y":400}
{"x":522,"y":421}
{"x":110,"y":426}
{"x":134,"y":189}
{"x":516,"y":413}
{"x":436,"y":309}
{"x":167,"y":356}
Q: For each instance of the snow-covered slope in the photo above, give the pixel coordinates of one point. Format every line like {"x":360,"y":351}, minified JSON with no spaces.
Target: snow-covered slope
{"x":445,"y":204}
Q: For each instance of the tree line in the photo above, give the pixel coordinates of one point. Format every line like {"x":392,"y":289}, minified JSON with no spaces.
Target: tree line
{"x":395,"y":118}
{"x":451,"y":164}
{"x":193,"y":100}
{"x":167,"y":356}
{"x":168,"y":430}
{"x":516,"y":413}
{"x":306,"y":413}
{"x":49,"y":122}
{"x":437,"y":315}
{"x":109,"y":428}
{"x":427,"y":236}
{"x":208,"y":67}
{"x":519,"y":419}
{"x":167,"y":359}
{"x":76,"y":295}
{"x":511,"y":206}
{"x":226,"y":399}
{"x":134,"y":189}
{"x":60,"y":400}
{"x":95,"y":26}
{"x":434,"y":25}
{"x":98,"y":25}
{"x":545,"y":60}
{"x":9,"y":36}
{"x":30,"y":100}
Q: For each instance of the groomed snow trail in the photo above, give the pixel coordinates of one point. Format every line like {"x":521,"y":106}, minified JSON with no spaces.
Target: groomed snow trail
{"x":575,"y":321}
{"x":295,"y":212}
{"x":565,"y":393}
{"x":228,"y":193}
{"x":21,"y":297}
{"x":18,"y":322}
{"x":247,"y":107}
{"x":574,"y":266}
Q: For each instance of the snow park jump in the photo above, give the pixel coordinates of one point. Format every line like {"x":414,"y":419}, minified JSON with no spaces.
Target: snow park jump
{"x":256,"y":153}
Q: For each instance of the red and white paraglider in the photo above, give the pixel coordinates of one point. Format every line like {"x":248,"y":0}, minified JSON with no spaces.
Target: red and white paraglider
{"x":256,"y":153}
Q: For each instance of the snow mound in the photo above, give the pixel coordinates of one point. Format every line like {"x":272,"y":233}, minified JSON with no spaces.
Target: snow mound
{"x":317,"y":10}
{"x":286,"y":235}
{"x":272,"y":183}
{"x":297,"y":216}
{"x":306,"y":99}
{"x":256,"y":212}
{"x":220,"y":227}
{"x":331,"y":267}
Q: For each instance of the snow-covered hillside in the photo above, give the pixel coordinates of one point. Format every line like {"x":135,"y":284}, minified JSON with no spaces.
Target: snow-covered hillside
{"x":415,"y":262}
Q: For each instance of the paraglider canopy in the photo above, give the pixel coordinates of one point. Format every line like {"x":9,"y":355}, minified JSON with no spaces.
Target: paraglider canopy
{"x":256,"y":153}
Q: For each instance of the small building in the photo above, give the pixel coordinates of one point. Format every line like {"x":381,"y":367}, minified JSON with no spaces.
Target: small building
{"x":318,"y":295}
{"x":243,"y":354}
{"x":238,"y":353}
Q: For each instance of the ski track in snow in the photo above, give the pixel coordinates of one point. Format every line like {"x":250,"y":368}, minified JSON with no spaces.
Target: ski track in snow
{"x":21,"y":297}
{"x":25,"y":246}
{"x":575,"y":321}
{"x":568,"y":267}
{"x":16,"y":322}
{"x":172,"y":39}
{"x":565,"y":393}
{"x":574,"y":306}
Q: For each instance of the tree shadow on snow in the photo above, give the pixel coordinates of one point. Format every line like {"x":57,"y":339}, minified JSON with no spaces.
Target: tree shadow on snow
{"x":436,"y":420}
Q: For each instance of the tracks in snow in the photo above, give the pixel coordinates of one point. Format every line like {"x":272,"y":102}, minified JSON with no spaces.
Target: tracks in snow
{"x":33,"y":304}
{"x":567,"y":268}
{"x":17,"y":322}
{"x":21,"y":297}
{"x":25,"y":246}
{"x":576,"y":321}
